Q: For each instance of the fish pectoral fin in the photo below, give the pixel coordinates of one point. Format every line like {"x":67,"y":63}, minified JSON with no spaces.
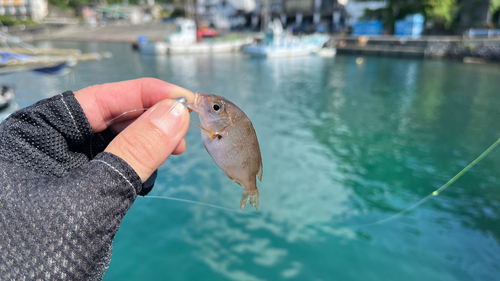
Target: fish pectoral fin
{"x":210,"y":134}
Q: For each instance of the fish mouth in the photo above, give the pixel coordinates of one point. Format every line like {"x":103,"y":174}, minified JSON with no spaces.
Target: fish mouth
{"x":197,"y":105}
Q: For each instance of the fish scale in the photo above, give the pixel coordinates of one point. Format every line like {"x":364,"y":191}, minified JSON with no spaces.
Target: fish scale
{"x":231,"y":141}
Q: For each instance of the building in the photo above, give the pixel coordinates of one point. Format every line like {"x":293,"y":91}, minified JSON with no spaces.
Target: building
{"x":305,"y":15}
{"x":224,"y":14}
{"x":118,"y":12}
{"x":356,"y":9}
{"x":34,"y":9}
{"x":474,"y":14}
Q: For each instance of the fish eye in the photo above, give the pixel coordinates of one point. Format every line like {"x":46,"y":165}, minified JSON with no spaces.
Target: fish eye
{"x":217,"y":107}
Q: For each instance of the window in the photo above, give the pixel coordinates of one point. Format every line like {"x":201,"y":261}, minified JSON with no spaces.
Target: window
{"x":299,"y":5}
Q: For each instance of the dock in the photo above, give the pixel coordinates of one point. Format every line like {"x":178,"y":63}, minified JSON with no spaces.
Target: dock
{"x":109,"y":33}
{"x":36,"y":51}
{"x":437,"y":47}
{"x":378,"y":50}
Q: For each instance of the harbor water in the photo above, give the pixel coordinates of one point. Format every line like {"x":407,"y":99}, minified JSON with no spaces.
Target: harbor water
{"x":345,"y":141}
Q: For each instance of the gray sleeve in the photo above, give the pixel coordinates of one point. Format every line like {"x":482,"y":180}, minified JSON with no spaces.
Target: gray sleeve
{"x":62,"y":200}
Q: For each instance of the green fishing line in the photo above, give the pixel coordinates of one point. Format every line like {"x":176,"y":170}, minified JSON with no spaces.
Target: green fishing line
{"x":434,"y":193}
{"x":441,"y":189}
{"x":464,"y":170}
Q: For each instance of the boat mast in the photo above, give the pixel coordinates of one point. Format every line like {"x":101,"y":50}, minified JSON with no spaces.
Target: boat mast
{"x":265,"y":15}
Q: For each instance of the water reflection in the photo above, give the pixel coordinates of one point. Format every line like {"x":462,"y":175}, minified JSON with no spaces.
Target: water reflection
{"x":342,"y":153}
{"x":342,"y":144}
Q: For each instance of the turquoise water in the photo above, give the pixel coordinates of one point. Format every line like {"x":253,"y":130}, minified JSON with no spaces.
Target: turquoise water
{"x":343,"y":145}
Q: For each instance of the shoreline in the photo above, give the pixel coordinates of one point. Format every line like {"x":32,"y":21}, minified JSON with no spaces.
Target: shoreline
{"x":426,"y":47}
{"x":109,"y":33}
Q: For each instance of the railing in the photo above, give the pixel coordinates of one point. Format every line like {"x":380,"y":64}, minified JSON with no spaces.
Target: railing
{"x":60,"y":21}
{"x":483,"y":32}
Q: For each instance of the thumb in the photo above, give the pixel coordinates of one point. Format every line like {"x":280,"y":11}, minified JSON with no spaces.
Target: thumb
{"x":151,"y":139}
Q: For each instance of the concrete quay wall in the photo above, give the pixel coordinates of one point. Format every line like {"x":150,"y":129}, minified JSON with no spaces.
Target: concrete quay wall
{"x":441,"y":47}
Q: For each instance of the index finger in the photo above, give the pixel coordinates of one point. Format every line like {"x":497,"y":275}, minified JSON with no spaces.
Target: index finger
{"x":102,"y":103}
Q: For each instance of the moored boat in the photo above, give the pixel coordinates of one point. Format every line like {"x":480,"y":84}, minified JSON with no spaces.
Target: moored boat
{"x":280,"y":51}
{"x":184,"y":41}
{"x":278,"y":43}
{"x":16,"y":56}
{"x":328,"y":50}
{"x":13,"y":62}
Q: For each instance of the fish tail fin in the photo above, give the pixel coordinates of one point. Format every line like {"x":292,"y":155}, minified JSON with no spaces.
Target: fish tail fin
{"x":252,"y":196}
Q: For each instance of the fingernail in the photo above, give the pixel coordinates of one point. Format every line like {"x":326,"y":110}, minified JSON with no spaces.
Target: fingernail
{"x":186,"y":93}
{"x":167,"y":116}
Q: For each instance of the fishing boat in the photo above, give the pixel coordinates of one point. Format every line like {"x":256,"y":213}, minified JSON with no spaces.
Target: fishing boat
{"x":13,"y":62}
{"x":328,"y":50}
{"x":185,"y":35}
{"x":278,"y":43}
{"x":215,"y":46}
{"x":184,"y":41}
{"x":16,"y":56}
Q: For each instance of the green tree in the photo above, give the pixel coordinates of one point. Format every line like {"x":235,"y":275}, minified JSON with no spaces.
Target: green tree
{"x":439,"y":11}
{"x":494,"y":5}
{"x":69,"y":3}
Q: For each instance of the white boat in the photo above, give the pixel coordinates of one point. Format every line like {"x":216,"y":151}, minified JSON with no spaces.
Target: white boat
{"x":185,"y":35}
{"x":280,"y":51}
{"x":327,"y":52}
{"x":277,"y":43}
{"x":153,"y":48}
{"x":184,"y":42}
{"x":164,"y":48}
{"x":211,"y":47}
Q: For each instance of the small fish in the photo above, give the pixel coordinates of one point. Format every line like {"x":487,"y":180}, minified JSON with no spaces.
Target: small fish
{"x":229,"y":137}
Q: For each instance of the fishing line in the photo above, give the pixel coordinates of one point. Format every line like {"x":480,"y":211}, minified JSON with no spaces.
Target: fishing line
{"x":198,"y":203}
{"x":110,"y":122}
{"x":183,"y":101}
{"x":439,"y":190}
{"x":379,"y":222}
{"x":107,"y":124}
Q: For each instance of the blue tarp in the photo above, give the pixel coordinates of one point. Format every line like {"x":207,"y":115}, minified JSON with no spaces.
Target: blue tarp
{"x":373,"y":28}
{"x":411,"y":26}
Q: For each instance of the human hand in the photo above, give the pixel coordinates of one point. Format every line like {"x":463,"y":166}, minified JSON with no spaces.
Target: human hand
{"x":145,"y":140}
{"x":61,"y":201}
